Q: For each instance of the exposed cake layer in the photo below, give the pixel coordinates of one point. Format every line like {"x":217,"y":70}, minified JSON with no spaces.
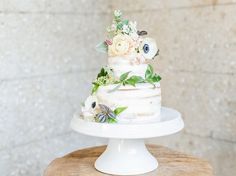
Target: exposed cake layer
{"x":121,"y":65}
{"x":143,"y":101}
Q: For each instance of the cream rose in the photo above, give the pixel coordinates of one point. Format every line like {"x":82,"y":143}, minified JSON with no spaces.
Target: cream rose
{"x":122,"y":44}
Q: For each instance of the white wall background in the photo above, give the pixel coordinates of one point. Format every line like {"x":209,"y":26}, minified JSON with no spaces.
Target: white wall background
{"x":47,"y":63}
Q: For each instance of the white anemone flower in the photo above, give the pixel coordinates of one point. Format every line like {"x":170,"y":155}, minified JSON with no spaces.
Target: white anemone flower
{"x":148,"y":48}
{"x":90,"y":105}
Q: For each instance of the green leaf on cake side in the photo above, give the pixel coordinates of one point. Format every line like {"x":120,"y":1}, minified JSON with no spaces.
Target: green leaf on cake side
{"x":156,"y":78}
{"x":124,"y":76}
{"x":119,"y":110}
{"x":149,"y":72}
{"x":133,"y":80}
{"x":115,"y":88}
{"x":150,"y":76}
{"x":111,"y":120}
{"x":95,"y":87}
{"x":106,"y":77}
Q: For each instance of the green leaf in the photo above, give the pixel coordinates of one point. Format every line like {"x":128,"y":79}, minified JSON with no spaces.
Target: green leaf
{"x":124,"y":76}
{"x":125,"y":22}
{"x":149,"y":72}
{"x":119,"y":110}
{"x":102,"y":47}
{"x":115,"y":88}
{"x":95,"y":87}
{"x":119,"y":26}
{"x":129,"y":82}
{"x":102,"y":72}
{"x":156,"y":78}
{"x":134,"y":80}
{"x":111,"y":120}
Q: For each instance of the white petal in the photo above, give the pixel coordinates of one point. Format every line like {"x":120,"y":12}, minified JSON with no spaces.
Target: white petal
{"x":89,"y":101}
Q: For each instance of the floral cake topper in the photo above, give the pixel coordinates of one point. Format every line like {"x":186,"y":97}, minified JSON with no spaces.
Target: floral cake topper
{"x":124,"y":39}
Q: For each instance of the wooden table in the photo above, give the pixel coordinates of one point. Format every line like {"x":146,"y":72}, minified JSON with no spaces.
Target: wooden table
{"x":171,"y":163}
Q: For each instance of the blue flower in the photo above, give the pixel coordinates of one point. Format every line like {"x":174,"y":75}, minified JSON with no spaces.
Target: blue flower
{"x":105,"y":115}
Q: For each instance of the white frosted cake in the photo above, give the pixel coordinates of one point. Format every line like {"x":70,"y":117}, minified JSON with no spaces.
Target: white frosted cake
{"x":127,"y":89}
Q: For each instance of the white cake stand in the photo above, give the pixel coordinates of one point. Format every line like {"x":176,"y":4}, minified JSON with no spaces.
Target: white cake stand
{"x":126,"y":153}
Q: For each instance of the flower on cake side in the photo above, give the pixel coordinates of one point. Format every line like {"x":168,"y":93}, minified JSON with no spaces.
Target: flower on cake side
{"x":95,"y":112}
{"x":124,"y":41}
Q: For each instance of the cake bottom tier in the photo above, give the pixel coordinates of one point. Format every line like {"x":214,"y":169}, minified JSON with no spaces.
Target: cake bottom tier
{"x":143,"y":101}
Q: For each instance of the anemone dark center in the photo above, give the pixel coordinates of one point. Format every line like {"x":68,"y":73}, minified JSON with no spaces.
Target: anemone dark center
{"x":146,"y":48}
{"x":93,"y":105}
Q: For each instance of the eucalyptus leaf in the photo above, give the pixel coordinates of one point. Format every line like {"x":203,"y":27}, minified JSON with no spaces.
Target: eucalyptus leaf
{"x":102,"y":47}
{"x":125,"y":22}
{"x":119,"y":26}
{"x":119,"y":110}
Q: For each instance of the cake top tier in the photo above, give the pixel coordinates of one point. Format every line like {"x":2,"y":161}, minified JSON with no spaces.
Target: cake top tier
{"x":126,"y":44}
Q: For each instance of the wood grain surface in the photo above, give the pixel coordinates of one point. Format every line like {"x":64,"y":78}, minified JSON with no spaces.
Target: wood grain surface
{"x":171,"y":163}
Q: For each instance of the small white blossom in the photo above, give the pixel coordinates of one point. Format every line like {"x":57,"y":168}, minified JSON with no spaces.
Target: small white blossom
{"x":126,"y":29}
{"x":133,"y":26}
{"x":117,"y":13}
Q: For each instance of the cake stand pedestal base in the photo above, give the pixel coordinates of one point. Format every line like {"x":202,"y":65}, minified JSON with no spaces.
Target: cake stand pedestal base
{"x":126,"y":153}
{"x":129,"y":154}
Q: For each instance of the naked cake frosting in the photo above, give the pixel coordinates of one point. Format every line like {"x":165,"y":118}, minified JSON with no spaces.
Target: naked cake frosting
{"x":127,"y":89}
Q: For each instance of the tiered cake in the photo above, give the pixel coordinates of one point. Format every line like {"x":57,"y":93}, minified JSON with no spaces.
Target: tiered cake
{"x":127,"y":89}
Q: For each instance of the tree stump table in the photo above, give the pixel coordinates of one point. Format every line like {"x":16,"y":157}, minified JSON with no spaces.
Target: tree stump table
{"x":171,"y":163}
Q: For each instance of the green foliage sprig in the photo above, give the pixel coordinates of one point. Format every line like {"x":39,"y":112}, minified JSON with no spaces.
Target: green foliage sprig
{"x":105,"y":77}
{"x":150,"y":77}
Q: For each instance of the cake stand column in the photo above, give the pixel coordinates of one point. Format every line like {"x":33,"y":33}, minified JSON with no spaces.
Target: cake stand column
{"x":126,"y":157}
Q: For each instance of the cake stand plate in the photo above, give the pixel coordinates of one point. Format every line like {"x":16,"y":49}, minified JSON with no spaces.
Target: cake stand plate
{"x":126,"y":153}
